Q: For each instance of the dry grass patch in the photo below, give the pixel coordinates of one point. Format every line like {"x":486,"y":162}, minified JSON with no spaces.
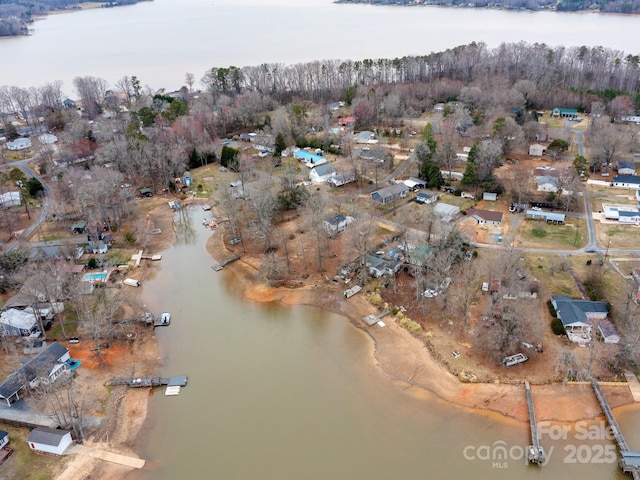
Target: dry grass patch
{"x":572,"y":235}
{"x":553,"y":279}
{"x":616,"y":235}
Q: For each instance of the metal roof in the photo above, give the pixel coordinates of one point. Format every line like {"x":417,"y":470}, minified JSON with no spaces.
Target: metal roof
{"x":47,"y":436}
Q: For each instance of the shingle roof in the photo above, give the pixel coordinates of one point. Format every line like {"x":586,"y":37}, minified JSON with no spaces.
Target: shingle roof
{"x":572,"y":311}
{"x":46,"y":436}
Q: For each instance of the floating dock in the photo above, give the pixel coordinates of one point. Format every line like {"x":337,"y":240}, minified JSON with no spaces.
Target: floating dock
{"x":375,"y":318}
{"x":536,"y":452}
{"x":629,"y":459}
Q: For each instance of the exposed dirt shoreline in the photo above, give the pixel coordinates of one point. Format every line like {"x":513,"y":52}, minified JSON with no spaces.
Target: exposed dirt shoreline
{"x":401,"y":357}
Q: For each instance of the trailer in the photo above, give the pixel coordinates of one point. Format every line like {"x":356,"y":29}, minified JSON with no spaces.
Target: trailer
{"x":352,"y":291}
{"x":514,"y":359}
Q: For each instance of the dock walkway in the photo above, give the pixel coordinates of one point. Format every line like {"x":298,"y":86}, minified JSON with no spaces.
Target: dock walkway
{"x":536,"y":452}
{"x":634,"y":385}
{"x":219,"y":266}
{"x":135,"y":382}
{"x":629,"y":459}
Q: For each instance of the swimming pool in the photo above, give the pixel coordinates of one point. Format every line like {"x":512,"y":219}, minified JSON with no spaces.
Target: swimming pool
{"x":95,"y":277}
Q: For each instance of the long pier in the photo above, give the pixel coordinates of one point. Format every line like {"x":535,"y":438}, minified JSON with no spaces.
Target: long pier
{"x":536,"y":452}
{"x":629,"y":459}
{"x":178,"y":381}
{"x":219,"y":266}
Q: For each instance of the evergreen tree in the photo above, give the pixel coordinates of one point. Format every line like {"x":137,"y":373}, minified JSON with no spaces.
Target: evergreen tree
{"x":280,"y":145}
{"x":469,"y":178}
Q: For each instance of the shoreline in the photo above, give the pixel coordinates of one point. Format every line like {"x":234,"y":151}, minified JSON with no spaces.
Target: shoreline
{"x":416,"y":368}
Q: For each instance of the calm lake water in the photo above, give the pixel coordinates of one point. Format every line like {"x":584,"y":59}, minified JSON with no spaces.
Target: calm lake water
{"x":293,"y":393}
{"x":160,"y":41}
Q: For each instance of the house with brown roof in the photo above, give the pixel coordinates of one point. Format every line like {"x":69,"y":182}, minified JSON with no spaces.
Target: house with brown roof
{"x":486,"y":217}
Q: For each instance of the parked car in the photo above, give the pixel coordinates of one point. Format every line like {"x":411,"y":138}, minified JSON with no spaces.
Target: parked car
{"x":429,"y":293}
{"x":74,"y":340}
{"x":234,"y":241}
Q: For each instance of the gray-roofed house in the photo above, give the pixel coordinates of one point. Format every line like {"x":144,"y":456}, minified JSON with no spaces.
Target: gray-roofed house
{"x":577,"y":316}
{"x":19,"y":323}
{"x":4,"y":438}
{"x":375,"y":155}
{"x":626,"y":168}
{"x":365,"y":137}
{"x":415,"y":183}
{"x":49,"y":440}
{"x":342,"y":179}
{"x":48,"y":364}
{"x":390,"y":194}
{"x":379,"y":265}
{"x":337,"y":223}
{"x":549,"y":217}
{"x":322,"y":173}
{"x":547,"y":183}
{"x":626,"y":181}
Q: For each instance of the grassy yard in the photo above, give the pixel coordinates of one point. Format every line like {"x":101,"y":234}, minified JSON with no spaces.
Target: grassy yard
{"x":547,"y":270}
{"x":616,"y":235}
{"x":532,"y":233}
{"x":25,"y":464}
{"x":462,"y":203}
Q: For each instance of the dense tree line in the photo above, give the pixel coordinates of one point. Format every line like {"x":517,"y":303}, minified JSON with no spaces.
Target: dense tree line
{"x":613,"y":6}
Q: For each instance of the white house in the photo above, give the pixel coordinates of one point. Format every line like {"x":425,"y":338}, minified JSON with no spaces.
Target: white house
{"x":342,"y":179}
{"x":337,"y":223}
{"x":16,"y":323}
{"x":626,"y":168}
{"x":486,"y":217}
{"x":626,"y":181}
{"x":547,"y":184}
{"x":489,"y":196}
{"x":578,"y":315}
{"x":49,"y":440}
{"x":322,"y":173}
{"x":365,"y":137}
{"x":19,"y":144}
{"x":4,"y":438}
{"x":10,"y":199}
{"x":536,"y":150}
{"x":629,"y":217}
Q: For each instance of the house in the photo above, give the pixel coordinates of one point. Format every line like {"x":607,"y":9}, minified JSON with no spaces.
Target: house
{"x":549,"y":217}
{"x":349,"y":121}
{"x":47,"y":365}
{"x":629,"y":119}
{"x":19,"y":323}
{"x":548,"y":183}
{"x":365,"y":137}
{"x":336,"y":223}
{"x":629,"y":217}
{"x":246,"y":137}
{"x":380,"y":265}
{"x":536,"y":150}
{"x":607,"y":332}
{"x":427,"y":198}
{"x":445,"y":211}
{"x":340,"y":179}
{"x":4,"y":438}
{"x":19,"y":144}
{"x":626,"y":168}
{"x":577,"y":316}
{"x":309,"y":159}
{"x":10,"y":199}
{"x":49,"y":440}
{"x":99,"y":247}
{"x":390,"y":194}
{"x":375,"y":155}
{"x":564,"y":113}
{"x":187,"y":179}
{"x":322,"y":173}
{"x":415,"y":183}
{"x":418,"y":255}
{"x":486,"y":217}
{"x":491,"y":197}
{"x":47,"y":138}
{"x":626,"y":181}
{"x":68,"y":103}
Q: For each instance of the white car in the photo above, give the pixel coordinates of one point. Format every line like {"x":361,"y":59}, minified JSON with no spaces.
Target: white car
{"x":537,"y":209}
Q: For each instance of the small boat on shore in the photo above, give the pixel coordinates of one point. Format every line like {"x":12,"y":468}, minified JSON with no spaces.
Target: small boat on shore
{"x":165,"y":318}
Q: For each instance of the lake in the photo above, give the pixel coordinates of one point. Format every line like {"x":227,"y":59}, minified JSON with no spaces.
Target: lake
{"x":294,"y":393}
{"x":161,"y":41}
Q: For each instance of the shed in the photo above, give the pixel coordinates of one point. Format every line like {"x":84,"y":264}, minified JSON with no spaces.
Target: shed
{"x":608,"y":332}
{"x":49,"y":440}
{"x":4,"y":438}
{"x":322,"y":173}
{"x":187,"y":179}
{"x":79,"y":228}
{"x":446,"y":211}
{"x":491,"y":197}
{"x":536,"y":150}
{"x":146,"y":192}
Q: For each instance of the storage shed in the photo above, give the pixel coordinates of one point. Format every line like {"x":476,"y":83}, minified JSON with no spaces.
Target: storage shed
{"x":49,"y":440}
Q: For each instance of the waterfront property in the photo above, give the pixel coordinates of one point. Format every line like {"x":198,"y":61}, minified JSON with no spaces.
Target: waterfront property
{"x":49,"y":440}
{"x":577,"y":316}
{"x":48,"y":364}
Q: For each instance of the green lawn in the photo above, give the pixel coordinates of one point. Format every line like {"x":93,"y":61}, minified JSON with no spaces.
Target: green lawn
{"x":539,"y":234}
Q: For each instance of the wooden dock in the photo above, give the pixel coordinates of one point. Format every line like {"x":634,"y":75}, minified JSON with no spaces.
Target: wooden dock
{"x":219,"y":266}
{"x":629,"y":459}
{"x":375,"y":317}
{"x":536,"y":452}
{"x":138,"y":382}
{"x":138,"y":257}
